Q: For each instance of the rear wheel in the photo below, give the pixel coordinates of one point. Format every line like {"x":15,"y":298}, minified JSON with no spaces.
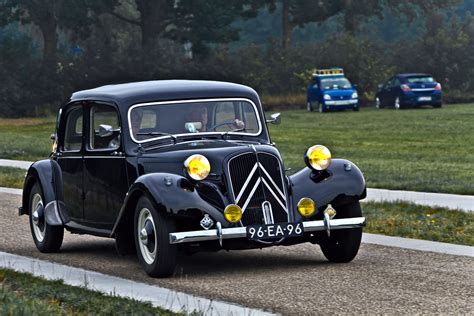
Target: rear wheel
{"x":343,"y":245}
{"x":152,"y":229}
{"x":47,"y":238}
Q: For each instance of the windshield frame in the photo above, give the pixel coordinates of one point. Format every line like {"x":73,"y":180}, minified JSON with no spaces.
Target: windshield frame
{"x":257,"y":114}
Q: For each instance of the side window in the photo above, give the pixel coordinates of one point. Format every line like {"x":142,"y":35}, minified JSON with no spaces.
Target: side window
{"x":396,"y":82}
{"x":73,"y":130}
{"x":104,"y":128}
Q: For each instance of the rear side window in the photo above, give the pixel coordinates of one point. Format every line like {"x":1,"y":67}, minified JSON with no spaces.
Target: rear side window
{"x":73,"y":130}
{"x":104,"y":128}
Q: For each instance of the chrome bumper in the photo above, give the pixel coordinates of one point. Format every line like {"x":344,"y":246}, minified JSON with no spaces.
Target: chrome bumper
{"x":241,"y":232}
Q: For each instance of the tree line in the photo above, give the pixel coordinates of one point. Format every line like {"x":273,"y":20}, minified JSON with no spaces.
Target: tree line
{"x":50,"y":48}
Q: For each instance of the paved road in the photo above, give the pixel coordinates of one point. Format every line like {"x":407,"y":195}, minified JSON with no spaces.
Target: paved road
{"x":290,"y":280}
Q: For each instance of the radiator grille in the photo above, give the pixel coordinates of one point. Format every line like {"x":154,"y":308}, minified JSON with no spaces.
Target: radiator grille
{"x":256,"y":178}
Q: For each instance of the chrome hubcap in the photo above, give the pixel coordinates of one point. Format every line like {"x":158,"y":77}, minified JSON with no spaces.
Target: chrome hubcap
{"x":147,"y":235}
{"x":39,"y":224}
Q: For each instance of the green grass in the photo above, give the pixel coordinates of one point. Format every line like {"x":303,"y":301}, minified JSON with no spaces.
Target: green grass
{"x":419,"y":149}
{"x":26,"y":139}
{"x":12,"y":177}
{"x":24,"y":294}
{"x":419,"y":222}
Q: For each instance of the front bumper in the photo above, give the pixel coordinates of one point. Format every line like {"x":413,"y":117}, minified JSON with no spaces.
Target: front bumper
{"x":341,"y":102}
{"x":241,"y":232}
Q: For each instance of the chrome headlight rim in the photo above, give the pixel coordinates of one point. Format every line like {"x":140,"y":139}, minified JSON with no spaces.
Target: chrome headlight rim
{"x":195,"y":159}
{"x":315,"y":165}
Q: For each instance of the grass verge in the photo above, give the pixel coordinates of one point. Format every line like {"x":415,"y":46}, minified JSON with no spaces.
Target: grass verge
{"x":24,"y":294}
{"x":419,"y":222}
{"x":420,"y":149}
{"x":26,"y":139}
{"x":12,"y":177}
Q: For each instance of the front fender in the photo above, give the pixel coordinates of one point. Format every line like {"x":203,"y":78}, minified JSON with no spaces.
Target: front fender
{"x":47,"y":174}
{"x":343,"y":181}
{"x":170,"y":192}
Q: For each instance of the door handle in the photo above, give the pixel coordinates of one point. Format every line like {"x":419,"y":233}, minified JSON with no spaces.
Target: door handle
{"x":117,"y":153}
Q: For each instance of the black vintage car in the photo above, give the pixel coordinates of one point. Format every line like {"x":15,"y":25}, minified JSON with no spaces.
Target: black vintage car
{"x":168,"y":166}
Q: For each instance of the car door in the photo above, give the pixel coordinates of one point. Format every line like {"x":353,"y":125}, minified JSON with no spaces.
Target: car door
{"x":105,"y":177}
{"x":70,"y":159}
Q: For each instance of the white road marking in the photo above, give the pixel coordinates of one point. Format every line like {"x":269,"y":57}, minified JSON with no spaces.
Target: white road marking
{"x":158,"y":296}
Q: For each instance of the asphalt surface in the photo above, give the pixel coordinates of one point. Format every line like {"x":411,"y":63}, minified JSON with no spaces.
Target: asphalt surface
{"x":289,"y":280}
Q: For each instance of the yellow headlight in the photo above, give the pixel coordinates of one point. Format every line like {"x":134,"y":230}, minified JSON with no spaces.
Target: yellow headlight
{"x":318,"y":157}
{"x":198,"y":167}
{"x":306,"y":207}
{"x":232,"y":213}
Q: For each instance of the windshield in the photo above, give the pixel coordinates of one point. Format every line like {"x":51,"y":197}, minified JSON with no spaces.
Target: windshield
{"x":424,"y":79}
{"x":335,"y":83}
{"x":184,"y":118}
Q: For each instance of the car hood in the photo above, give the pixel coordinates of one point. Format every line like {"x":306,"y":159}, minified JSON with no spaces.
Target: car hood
{"x":339,"y":92}
{"x":170,"y":159}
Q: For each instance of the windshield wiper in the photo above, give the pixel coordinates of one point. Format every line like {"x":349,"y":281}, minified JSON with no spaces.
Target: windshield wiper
{"x":157,"y":134}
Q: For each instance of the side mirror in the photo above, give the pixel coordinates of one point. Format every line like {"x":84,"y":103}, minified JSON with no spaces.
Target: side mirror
{"x":275,"y":119}
{"x":105,"y":130}
{"x":53,"y":136}
{"x":354,"y":86}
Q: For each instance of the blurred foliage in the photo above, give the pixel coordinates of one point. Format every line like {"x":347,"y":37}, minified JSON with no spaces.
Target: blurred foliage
{"x":104,"y":43}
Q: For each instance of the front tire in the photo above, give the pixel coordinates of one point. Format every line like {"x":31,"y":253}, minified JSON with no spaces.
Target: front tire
{"x":343,"y":244}
{"x":397,"y":105}
{"x":152,"y":228}
{"x":47,"y":238}
{"x":309,"y":106}
{"x":378,"y":104}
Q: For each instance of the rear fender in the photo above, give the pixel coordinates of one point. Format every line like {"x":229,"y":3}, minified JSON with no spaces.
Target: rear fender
{"x":341,"y":183}
{"x":170,"y":193}
{"x":48,"y":174}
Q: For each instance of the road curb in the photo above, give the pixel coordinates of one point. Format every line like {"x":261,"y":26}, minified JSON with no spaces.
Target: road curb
{"x":157,"y":296}
{"x":15,"y":163}
{"x":450,"y":201}
{"x":418,"y":244}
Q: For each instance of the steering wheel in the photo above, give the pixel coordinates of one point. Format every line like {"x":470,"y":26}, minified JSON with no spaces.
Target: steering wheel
{"x":221,"y":124}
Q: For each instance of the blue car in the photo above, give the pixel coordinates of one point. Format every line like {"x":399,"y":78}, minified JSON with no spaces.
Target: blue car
{"x":329,"y":90}
{"x":409,"y":90}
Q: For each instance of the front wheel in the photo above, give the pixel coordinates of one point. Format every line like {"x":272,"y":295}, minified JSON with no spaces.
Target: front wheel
{"x":47,"y":238}
{"x":397,"y":105}
{"x":152,"y":229}
{"x":309,"y":106}
{"x":343,"y":245}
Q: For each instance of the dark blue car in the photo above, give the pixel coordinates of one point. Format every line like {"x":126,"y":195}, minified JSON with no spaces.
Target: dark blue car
{"x":329,"y":89}
{"x":409,"y":90}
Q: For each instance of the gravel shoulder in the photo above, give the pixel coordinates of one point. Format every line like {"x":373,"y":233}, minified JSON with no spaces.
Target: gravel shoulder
{"x":289,"y":280}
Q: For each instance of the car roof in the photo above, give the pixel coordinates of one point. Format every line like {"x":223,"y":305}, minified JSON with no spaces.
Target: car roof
{"x":127,"y":94}
{"x":406,"y":75}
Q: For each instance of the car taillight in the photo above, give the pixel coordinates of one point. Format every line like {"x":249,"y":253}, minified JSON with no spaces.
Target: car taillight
{"x":438,"y":87}
{"x":405,"y":87}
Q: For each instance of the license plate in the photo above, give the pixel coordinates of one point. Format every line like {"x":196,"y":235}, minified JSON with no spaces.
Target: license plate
{"x":424,"y":99}
{"x":257,"y":232}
